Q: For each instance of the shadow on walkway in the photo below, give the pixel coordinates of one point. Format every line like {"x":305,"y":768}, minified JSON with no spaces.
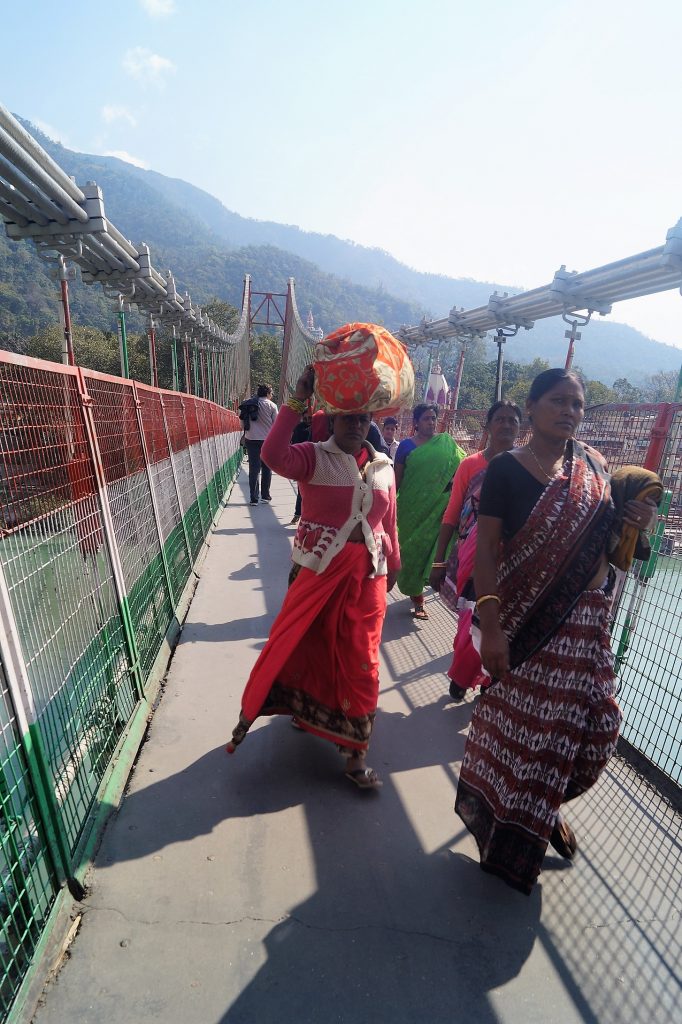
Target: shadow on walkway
{"x":264,"y":887}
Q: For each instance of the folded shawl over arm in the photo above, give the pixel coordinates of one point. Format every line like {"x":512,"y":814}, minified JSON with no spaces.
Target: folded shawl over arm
{"x":626,"y":542}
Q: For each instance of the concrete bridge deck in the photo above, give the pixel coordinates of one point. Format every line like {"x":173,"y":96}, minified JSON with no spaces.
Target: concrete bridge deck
{"x":264,"y":887}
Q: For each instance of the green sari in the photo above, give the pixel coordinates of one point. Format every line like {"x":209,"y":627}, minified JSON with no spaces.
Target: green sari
{"x":422,"y":499}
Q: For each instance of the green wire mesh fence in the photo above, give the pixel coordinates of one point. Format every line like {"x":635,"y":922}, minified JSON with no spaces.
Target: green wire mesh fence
{"x":108,"y":489}
{"x":647,"y":632}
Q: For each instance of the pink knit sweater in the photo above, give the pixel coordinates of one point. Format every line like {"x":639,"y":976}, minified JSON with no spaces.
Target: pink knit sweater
{"x":335,"y":497}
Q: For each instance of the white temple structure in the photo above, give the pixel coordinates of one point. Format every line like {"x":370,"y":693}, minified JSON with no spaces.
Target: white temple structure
{"x":437,"y":389}
{"x":310,"y":324}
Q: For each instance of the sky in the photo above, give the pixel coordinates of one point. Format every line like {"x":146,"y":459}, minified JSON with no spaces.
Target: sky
{"x":492,"y":139}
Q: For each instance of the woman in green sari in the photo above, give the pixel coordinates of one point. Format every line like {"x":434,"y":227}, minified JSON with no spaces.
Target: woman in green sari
{"x":424,"y":467}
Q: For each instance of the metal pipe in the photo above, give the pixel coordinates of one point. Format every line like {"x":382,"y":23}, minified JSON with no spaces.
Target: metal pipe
{"x":27,"y":142}
{"x":67,"y":344}
{"x":187,"y":361}
{"x":27,"y":189}
{"x":152,"y":354}
{"x":123,"y":339}
{"x":22,"y":205}
{"x":500,"y":340}
{"x":40,"y":177}
{"x":458,"y":379}
{"x":10,"y":214}
{"x":174,"y":360}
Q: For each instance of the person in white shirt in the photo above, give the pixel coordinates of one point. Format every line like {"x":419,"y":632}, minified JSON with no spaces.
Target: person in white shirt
{"x":260,"y":475}
{"x":390,"y":429}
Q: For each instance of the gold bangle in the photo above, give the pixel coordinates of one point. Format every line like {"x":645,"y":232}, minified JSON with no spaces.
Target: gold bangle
{"x":439,"y":565}
{"x":487,"y":597}
{"x":296,"y":405}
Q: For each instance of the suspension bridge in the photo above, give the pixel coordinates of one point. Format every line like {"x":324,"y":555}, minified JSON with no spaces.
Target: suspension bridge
{"x":125,"y":531}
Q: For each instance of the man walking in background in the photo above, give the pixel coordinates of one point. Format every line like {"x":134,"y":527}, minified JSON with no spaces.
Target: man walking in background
{"x":255,"y":433}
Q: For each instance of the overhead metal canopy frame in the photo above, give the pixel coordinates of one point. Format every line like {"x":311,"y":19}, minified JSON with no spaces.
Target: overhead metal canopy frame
{"x":40,"y":202}
{"x":592,"y":291}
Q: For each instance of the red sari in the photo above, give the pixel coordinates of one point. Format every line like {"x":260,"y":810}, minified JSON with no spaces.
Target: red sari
{"x":321,"y":662}
{"x":544,"y":733}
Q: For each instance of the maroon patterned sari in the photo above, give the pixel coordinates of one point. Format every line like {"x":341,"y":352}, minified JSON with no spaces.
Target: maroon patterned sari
{"x":544,"y":732}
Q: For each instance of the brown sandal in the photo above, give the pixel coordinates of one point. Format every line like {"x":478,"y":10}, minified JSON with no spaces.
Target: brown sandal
{"x":364,"y":778}
{"x":563,"y":839}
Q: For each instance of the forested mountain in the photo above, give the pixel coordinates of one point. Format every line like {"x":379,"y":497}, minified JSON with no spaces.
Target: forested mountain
{"x":209,"y":249}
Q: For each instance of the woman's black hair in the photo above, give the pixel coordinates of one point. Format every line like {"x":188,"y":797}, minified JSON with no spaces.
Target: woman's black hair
{"x":419,"y":411}
{"x":503,"y":404}
{"x":263,"y":390}
{"x":548,"y":379}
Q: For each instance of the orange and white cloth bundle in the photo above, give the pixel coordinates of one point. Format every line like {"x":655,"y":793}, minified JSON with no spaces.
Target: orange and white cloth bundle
{"x":363,"y":368}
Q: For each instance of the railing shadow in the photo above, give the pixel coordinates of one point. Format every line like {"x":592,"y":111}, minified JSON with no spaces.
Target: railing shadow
{"x":400,"y":924}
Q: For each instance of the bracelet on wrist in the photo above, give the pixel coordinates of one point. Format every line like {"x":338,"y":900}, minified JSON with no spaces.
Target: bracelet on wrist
{"x":296,"y":405}
{"x":487,"y":597}
{"x":439,"y":565}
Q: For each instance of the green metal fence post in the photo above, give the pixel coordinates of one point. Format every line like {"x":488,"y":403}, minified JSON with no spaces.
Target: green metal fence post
{"x":174,"y":359}
{"x":123,"y":339}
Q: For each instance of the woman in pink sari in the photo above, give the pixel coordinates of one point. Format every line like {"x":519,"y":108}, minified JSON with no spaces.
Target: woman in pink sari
{"x":454,"y":578}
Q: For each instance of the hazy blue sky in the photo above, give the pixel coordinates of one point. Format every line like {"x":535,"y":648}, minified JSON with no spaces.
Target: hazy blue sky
{"x":488,"y":139}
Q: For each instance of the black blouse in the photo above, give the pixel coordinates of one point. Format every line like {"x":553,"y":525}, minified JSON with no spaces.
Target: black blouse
{"x":509,"y":493}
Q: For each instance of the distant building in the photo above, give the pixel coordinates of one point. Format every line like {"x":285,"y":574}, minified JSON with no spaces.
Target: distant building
{"x":310,"y":324}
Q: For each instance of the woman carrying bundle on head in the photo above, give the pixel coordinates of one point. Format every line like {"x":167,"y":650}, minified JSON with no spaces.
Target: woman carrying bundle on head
{"x":453,"y":578}
{"x":542,"y":733}
{"x":424,"y":467}
{"x":320,"y":664}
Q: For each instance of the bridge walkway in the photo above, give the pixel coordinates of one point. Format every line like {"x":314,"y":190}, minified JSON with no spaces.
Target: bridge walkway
{"x":263,"y":887}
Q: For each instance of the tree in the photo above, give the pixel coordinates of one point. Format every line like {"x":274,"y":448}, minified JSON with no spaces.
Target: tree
{"x":660,"y":387}
{"x":597,"y":393}
{"x":624,"y":391}
{"x":266,"y":361}
{"x":223,"y":313}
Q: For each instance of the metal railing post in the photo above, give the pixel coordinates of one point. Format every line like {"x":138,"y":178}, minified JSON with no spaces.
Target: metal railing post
{"x":110,"y":537}
{"x":155,"y":508}
{"x":123,"y":340}
{"x":37,"y":763}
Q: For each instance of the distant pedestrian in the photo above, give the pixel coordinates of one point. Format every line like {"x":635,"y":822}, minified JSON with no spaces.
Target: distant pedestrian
{"x":260,"y":475}
{"x":389,"y":433}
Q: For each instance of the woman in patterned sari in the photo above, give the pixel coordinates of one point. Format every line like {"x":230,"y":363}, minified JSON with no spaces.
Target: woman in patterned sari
{"x":453,"y":579}
{"x":543,"y":733}
{"x":424,"y":467}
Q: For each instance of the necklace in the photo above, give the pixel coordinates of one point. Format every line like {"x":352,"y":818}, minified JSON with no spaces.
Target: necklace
{"x":539,"y":464}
